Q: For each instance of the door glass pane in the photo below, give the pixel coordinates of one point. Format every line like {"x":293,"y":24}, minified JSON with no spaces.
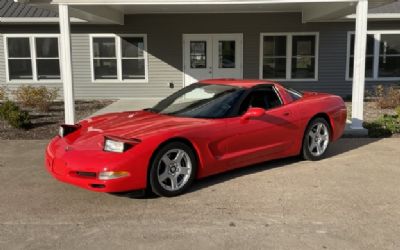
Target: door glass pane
{"x":226,"y":56}
{"x":105,"y":68}
{"x":104,"y":47}
{"x":274,"y":46}
{"x":20,"y":69}
{"x":46,"y":47}
{"x":274,"y":68}
{"x":303,"y":67}
{"x":48,"y":68}
{"x":198,"y":54}
{"x":132,"y":46}
{"x":133,"y":69}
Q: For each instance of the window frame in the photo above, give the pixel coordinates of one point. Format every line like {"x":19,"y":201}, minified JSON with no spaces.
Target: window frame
{"x":289,"y":55}
{"x":33,"y":57}
{"x":119,"y":58}
{"x":377,"y":38}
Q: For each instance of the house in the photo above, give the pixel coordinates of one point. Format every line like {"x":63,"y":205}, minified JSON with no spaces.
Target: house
{"x":149,"y":49}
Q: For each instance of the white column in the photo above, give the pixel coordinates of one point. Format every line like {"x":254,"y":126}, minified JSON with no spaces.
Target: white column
{"x":360,"y":46}
{"x":66,"y":64}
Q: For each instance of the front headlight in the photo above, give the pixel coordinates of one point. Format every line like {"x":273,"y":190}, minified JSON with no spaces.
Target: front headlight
{"x":118,"y":145}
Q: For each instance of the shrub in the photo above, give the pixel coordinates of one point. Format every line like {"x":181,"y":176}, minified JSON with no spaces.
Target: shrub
{"x":17,"y":118}
{"x":387,"y":97}
{"x":36,"y":97}
{"x":6,"y":108}
{"x":3,"y":93}
{"x":386,"y":125}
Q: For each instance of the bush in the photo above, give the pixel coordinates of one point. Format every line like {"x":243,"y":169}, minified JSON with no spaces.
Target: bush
{"x":36,"y":97}
{"x":387,"y":97}
{"x":384,"y":126}
{"x":17,"y":118}
{"x":6,"y":108}
{"x":3,"y":93}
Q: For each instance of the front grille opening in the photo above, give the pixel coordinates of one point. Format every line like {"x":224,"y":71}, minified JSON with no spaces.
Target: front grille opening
{"x":86,"y":174}
{"x":97,"y":185}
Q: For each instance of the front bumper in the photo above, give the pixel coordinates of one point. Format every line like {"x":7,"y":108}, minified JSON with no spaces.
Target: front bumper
{"x":82,"y":170}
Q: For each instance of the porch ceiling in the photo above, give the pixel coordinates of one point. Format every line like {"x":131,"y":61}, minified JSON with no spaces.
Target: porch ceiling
{"x":113,"y":12}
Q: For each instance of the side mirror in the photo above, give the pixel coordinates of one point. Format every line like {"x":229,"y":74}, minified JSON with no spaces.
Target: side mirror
{"x":253,"y":113}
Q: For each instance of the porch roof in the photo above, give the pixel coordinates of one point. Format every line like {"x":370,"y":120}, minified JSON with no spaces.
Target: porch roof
{"x":113,"y":12}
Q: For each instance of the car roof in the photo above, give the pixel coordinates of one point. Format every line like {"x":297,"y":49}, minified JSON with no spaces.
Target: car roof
{"x":244,"y":83}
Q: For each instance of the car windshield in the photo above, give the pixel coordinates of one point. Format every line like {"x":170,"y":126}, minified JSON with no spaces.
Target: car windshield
{"x":201,"y":101}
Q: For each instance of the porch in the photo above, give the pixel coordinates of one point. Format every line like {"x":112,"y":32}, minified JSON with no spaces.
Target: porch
{"x":312,"y":14}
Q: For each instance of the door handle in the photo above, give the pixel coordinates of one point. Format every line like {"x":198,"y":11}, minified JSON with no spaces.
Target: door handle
{"x":286,"y":114}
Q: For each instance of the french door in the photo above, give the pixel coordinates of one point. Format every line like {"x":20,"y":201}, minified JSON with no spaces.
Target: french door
{"x":209,"y":56}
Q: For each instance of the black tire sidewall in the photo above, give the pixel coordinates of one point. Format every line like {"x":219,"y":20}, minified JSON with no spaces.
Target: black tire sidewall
{"x":153,"y":178}
{"x":306,"y":154}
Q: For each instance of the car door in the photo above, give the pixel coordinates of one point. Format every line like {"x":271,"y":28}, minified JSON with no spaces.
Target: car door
{"x":266,"y":137}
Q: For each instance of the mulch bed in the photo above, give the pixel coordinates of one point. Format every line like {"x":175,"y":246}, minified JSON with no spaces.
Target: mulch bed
{"x":46,"y":124}
{"x":371,"y":111}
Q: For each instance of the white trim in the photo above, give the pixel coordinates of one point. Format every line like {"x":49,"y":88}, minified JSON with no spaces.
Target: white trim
{"x":36,"y":20}
{"x":382,"y":16}
{"x":32,"y":42}
{"x":289,"y":55}
{"x":186,"y":2}
{"x":377,"y":37}
{"x":119,"y":58}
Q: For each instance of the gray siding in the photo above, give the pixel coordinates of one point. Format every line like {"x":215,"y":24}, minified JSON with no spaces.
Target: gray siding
{"x":164,"y":43}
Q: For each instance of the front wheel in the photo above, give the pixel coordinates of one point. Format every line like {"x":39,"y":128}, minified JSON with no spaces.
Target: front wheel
{"x":173,"y":169}
{"x":316,"y":140}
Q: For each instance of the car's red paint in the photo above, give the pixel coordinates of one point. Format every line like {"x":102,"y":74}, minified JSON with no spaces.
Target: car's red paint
{"x":220,"y":144}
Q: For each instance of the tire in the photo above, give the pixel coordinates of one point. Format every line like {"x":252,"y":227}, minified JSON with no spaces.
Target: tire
{"x":173,"y":169}
{"x":316,"y":144}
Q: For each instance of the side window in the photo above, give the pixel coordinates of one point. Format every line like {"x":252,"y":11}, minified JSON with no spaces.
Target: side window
{"x":261,"y":98}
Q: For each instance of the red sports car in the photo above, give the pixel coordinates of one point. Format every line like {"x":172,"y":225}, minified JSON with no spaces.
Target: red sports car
{"x":203,"y":129}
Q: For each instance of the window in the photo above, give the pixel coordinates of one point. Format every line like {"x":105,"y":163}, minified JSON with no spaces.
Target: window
{"x":32,"y":57}
{"x":369,"y":60}
{"x":382,"y":56}
{"x":119,"y":58}
{"x":389,"y":56}
{"x":289,"y":56}
{"x":265,"y":98}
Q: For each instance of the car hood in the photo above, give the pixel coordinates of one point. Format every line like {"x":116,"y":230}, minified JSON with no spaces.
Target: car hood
{"x":130,"y":125}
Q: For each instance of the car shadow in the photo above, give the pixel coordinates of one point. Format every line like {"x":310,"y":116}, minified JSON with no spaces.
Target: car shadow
{"x":336,"y":149}
{"x":341,"y":146}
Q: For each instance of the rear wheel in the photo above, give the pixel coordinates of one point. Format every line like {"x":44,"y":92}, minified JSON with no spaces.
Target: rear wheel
{"x":316,"y":139}
{"x":173,"y":169}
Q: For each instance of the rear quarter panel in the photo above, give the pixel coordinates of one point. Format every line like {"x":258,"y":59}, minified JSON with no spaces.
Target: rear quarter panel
{"x":314,"y":104}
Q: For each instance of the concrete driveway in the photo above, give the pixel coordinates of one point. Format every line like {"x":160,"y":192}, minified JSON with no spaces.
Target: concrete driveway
{"x":350,"y":200}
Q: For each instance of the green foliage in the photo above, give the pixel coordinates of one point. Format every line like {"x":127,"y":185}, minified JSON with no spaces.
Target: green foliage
{"x":39,"y":98}
{"x":17,"y":118}
{"x":384,"y":126}
{"x":6,"y":108}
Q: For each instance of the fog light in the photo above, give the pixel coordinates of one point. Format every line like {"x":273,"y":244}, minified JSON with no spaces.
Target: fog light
{"x":112,"y":175}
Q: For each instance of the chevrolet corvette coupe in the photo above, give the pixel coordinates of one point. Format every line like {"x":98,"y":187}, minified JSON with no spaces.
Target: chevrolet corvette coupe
{"x":203,"y":129}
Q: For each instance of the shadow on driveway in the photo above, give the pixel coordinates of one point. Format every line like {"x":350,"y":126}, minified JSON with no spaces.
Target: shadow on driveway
{"x":336,"y":149}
